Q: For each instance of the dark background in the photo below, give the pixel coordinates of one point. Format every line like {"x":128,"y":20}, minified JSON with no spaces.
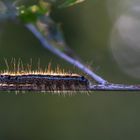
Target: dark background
{"x":38,"y":116}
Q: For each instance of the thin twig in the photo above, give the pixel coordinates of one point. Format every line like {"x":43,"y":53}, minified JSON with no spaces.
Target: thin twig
{"x":114,"y":87}
{"x":62,"y":55}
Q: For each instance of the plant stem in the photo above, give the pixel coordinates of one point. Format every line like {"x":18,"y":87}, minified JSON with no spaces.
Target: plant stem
{"x":64,"y":56}
{"x":114,"y":87}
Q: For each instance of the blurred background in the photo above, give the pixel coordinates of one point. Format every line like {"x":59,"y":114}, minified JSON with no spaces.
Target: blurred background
{"x":106,"y":35}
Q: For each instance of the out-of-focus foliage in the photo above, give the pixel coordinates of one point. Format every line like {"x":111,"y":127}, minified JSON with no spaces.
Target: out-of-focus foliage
{"x":30,"y":10}
{"x":7,"y":10}
{"x":31,"y":13}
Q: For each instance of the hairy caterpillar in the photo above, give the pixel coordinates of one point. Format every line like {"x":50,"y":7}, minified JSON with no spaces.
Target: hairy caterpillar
{"x":43,"y":82}
{"x":25,"y":79}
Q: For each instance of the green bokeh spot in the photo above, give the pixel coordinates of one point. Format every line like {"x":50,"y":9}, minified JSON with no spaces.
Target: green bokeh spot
{"x":31,"y":13}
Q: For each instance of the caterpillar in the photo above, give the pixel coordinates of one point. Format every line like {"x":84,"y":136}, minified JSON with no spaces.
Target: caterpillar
{"x":25,"y":79}
{"x":43,"y":82}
